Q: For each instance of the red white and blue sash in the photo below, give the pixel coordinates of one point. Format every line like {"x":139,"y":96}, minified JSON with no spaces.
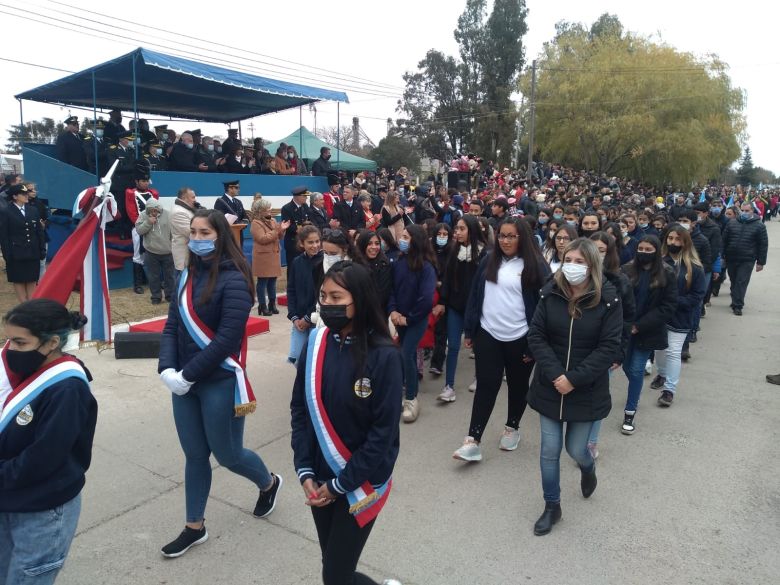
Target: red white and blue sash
{"x":365,"y":502}
{"x":28,"y":390}
{"x":202,"y":335}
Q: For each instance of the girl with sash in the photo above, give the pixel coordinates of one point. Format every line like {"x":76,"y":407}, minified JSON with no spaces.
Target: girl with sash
{"x":47,"y":423}
{"x":203,"y":363}
{"x":346,"y":406}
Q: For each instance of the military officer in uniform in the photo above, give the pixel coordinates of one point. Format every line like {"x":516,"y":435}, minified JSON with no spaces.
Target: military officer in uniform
{"x":124,"y":152}
{"x":152,"y":159}
{"x":70,"y":145}
{"x":98,"y":167}
{"x":229,"y":203}
{"x":147,"y":136}
{"x":230,"y":142}
{"x":114,"y":127}
{"x":296,"y":212}
{"x":22,"y":241}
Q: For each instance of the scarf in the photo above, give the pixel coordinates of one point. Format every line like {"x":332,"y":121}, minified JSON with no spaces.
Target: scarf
{"x":202,"y":335}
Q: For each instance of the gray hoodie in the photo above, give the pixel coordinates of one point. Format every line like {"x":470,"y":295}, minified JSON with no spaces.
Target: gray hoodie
{"x":156,"y":236}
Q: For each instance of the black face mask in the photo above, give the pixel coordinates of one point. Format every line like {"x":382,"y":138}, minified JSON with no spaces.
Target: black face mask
{"x":673,"y":249}
{"x":644,"y":258}
{"x":25,"y":363}
{"x":335,"y":317}
{"x":588,"y":233}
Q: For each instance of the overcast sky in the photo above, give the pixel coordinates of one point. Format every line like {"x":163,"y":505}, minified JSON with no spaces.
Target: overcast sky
{"x":367,"y":45}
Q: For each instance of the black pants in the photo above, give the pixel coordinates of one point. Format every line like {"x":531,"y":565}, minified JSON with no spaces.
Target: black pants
{"x":492,"y":358}
{"x":341,"y":541}
{"x":440,"y":342}
{"x":739,"y":273}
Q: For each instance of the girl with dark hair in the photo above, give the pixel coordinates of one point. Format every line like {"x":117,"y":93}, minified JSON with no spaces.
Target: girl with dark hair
{"x":503,"y":298}
{"x":23,"y":242}
{"x":679,"y":253}
{"x":389,"y":245}
{"x":306,"y":273}
{"x":548,"y":245}
{"x":655,"y":294}
{"x":574,"y":337}
{"x":203,"y":363}
{"x":336,"y":246}
{"x":442,"y":243}
{"x":369,"y":252}
{"x":614,"y":229}
{"x":590,"y":223}
{"x":47,"y":424}
{"x":414,"y":282}
{"x":565,"y":235}
{"x":345,"y":409}
{"x":462,"y":264}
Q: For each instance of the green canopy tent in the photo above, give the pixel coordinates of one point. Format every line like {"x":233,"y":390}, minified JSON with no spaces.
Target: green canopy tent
{"x":308,"y":147}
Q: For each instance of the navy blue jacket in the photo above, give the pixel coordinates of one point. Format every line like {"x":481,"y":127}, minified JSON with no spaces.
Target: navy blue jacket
{"x":42,"y":463}
{"x":368,"y":426}
{"x":477,"y":298}
{"x":305,"y":280}
{"x":225,"y":313}
{"x":412,"y":293}
{"x":688,"y":299}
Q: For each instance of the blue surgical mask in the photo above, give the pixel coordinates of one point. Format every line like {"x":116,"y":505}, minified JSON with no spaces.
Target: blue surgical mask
{"x":403,"y":245}
{"x":571,"y":222}
{"x":557,"y":216}
{"x":158,"y":151}
{"x":210,"y":148}
{"x":643,"y":226}
{"x":716,"y":211}
{"x":190,"y":145}
{"x":745,"y":215}
{"x":202,"y":247}
{"x":99,"y":133}
{"x":543,"y":220}
{"x":441,"y":241}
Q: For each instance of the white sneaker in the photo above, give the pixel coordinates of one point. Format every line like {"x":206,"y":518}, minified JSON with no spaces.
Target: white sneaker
{"x":648,"y":368}
{"x":510,"y":439}
{"x":447,"y":395}
{"x":391,"y":582}
{"x":469,"y":451}
{"x":411,"y":410}
{"x":473,"y":386}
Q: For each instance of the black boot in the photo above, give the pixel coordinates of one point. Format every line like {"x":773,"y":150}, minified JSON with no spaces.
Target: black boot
{"x":262,"y":309}
{"x":138,"y":279}
{"x":272,"y":308}
{"x":550,"y":516}
{"x":588,"y":482}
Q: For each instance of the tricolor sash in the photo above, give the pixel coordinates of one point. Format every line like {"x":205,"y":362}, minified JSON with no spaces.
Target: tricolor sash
{"x":32,"y":387}
{"x":365,"y":502}
{"x":203,"y":336}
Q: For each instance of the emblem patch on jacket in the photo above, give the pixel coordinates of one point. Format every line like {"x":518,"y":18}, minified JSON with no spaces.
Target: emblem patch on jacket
{"x":363,"y":388}
{"x":25,"y":416}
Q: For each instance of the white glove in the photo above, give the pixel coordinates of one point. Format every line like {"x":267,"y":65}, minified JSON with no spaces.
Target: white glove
{"x":175,"y":382}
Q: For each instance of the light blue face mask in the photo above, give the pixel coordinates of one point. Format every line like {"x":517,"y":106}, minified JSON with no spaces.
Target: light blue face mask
{"x":403,"y":245}
{"x":441,"y":241}
{"x":715,"y":211}
{"x":745,"y":215}
{"x":190,"y":145}
{"x":202,"y":247}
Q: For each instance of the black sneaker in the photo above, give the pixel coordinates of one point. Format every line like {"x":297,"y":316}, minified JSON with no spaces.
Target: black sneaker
{"x":685,"y":355}
{"x":694,"y":337}
{"x":185,"y":541}
{"x":266,"y":502}
{"x":666,"y":398}
{"x":737,"y":311}
{"x":657,"y":382}
{"x":628,"y":424}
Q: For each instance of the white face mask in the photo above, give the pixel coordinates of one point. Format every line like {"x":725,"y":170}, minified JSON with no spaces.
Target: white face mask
{"x":329,"y":260}
{"x":238,"y":158}
{"x":99,"y":133}
{"x":575,"y":273}
{"x":685,"y":226}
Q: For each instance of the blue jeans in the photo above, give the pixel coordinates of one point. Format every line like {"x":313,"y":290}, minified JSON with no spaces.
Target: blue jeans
{"x":593,"y":437}
{"x":634,"y":367}
{"x":34,"y":545}
{"x":552,"y":444}
{"x":266,"y":285}
{"x":206,"y":424}
{"x":410,"y":337}
{"x":297,"y":339}
{"x":454,"y":333}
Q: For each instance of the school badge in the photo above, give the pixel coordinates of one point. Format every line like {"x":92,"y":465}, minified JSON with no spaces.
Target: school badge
{"x":363,"y":388}
{"x":25,"y":416}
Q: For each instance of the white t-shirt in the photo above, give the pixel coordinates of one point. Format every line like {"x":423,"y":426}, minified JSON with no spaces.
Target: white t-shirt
{"x":503,"y":310}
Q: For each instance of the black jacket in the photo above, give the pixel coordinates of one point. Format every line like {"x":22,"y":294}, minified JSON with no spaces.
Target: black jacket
{"x":233,"y":206}
{"x":745,"y":241}
{"x":225,"y":314}
{"x":626,"y":292}
{"x":711,"y":231}
{"x":318,"y":218}
{"x":651,"y":318}
{"x":457,"y":281}
{"x":382,"y":275}
{"x":583,"y":349}
{"x":320,"y":167}
{"x":688,"y":298}
{"x":305,"y":278}
{"x":350,"y":218}
{"x":22,"y":236}
{"x":182,"y":159}
{"x":367,"y":425}
{"x":43,"y":462}
{"x":296,"y":215}
{"x":70,"y":150}
{"x":703,"y":249}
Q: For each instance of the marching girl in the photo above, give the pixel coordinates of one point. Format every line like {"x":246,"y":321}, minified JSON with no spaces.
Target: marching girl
{"x":47,"y":423}
{"x":345,"y":409}
{"x":203,"y":364}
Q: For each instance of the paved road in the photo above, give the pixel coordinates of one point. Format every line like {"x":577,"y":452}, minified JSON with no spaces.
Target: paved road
{"x":692,"y":497}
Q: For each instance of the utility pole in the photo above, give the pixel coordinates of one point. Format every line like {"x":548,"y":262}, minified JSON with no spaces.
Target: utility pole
{"x":251,"y":127}
{"x":532,"y":107}
{"x":519,"y":127}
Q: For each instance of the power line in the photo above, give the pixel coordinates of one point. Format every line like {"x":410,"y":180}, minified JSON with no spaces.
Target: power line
{"x":35,"y":65}
{"x":335,"y":74}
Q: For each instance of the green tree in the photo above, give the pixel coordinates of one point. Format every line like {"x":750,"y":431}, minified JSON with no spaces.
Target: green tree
{"x":765,"y":176}
{"x":396,"y":151}
{"x":746,"y":171}
{"x":617,"y":103}
{"x":44,"y":131}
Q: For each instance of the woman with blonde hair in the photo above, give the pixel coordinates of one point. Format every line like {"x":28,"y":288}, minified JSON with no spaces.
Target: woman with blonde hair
{"x":266,"y":259}
{"x":678,"y":252}
{"x":393,"y":215}
{"x":574,"y":336}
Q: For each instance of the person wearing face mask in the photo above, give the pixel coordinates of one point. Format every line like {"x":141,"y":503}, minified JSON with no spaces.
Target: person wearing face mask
{"x":304,"y":277}
{"x":22,"y":241}
{"x":321,"y":166}
{"x":235,"y":161}
{"x":644,"y":227}
{"x":562,"y":237}
{"x":296,"y":212}
{"x":181,"y":215}
{"x":443,"y":244}
{"x":654,"y":287}
{"x":689,"y":221}
{"x":203,"y":363}
{"x":344,"y":417}
{"x":266,"y":264}
{"x":152,"y":159}
{"x":182,"y":156}
{"x":296,"y":163}
{"x":574,"y":336}
{"x":114,"y":127}
{"x":590,"y":223}
{"x":206,"y":155}
{"x":123,"y":177}
{"x":368,"y":251}
{"x":96,"y":149}
{"x":282,"y":162}
{"x":745,"y":244}
{"x":154,"y":227}
{"x":47,"y":425}
{"x":679,"y":253}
